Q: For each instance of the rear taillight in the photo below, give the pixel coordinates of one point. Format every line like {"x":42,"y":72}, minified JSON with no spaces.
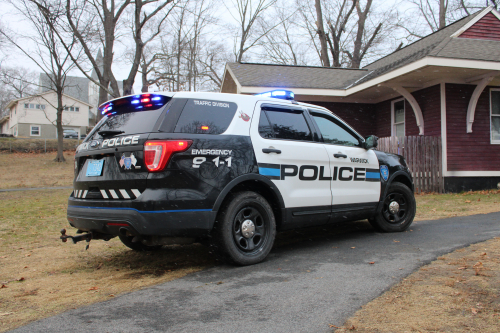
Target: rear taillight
{"x":157,"y":153}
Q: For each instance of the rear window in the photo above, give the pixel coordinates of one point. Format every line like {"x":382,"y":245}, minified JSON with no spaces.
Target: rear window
{"x":130,"y":121}
{"x":205,"y":117}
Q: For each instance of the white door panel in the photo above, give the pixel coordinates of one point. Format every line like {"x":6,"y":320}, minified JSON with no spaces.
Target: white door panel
{"x":357,"y":176}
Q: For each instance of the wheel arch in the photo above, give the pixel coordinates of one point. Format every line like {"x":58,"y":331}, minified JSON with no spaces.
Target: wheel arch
{"x":398,"y":177}
{"x":259,"y":184}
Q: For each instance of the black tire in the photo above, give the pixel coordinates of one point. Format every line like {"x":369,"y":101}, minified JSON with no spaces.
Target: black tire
{"x":395,"y":220}
{"x":137,"y":246}
{"x":245,"y":229}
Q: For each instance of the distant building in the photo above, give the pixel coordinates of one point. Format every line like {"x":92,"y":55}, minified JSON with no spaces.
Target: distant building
{"x":34,"y":117}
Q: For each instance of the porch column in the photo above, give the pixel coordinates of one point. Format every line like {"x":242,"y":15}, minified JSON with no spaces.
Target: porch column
{"x":413,"y":102}
{"x":471,"y":109}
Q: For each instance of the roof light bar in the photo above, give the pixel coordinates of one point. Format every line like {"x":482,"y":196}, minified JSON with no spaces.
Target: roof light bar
{"x":281,"y":94}
{"x":137,"y":102}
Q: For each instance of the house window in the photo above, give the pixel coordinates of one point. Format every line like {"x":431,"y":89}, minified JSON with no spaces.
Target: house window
{"x":42,"y":106}
{"x":77,"y":109}
{"x":398,"y":118}
{"x":495,"y":115}
{"x":26,"y":105}
{"x":35,"y":130}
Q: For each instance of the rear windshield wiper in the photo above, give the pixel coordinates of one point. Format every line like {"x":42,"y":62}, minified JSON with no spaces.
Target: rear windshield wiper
{"x":110,"y":132}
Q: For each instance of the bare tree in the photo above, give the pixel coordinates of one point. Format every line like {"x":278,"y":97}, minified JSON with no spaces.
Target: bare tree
{"x":436,"y":14}
{"x":141,"y":19}
{"x":49,"y":55}
{"x":364,"y":39}
{"x":20,"y":81}
{"x":92,"y":22}
{"x":325,"y":61}
{"x":249,"y":13}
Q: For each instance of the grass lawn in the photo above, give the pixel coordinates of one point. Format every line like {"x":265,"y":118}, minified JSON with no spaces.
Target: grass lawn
{"x":35,"y":170}
{"x":41,"y":276}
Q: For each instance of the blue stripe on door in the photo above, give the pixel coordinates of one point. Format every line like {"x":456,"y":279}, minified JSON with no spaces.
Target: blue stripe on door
{"x":269,"y":172}
{"x":373,"y":175}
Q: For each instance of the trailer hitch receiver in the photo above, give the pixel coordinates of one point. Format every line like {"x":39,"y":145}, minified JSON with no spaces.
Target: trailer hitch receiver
{"x":86,"y":237}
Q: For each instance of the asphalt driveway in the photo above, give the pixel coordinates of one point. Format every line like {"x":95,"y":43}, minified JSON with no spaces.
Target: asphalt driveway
{"x":313,"y":278}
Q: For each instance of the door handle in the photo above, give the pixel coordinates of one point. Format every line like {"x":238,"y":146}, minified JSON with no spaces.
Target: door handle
{"x":339,"y":155}
{"x":270,"y":150}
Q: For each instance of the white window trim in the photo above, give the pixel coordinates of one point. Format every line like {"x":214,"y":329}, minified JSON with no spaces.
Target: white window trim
{"x":493,"y":142}
{"x":393,"y":118}
{"x":39,"y":130}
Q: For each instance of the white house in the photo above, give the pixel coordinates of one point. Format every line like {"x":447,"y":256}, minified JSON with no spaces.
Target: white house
{"x":35,"y":116}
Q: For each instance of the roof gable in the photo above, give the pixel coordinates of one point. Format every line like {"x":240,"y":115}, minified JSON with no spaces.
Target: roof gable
{"x":488,"y":27}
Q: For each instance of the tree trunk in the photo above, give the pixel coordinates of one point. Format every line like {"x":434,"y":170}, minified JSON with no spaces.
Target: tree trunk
{"x":59,"y":128}
{"x":321,"y":34}
{"x":144,"y":75}
{"x":442,"y":13}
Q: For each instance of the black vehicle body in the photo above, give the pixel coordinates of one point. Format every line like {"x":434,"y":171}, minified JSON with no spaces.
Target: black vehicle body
{"x":185,"y":198}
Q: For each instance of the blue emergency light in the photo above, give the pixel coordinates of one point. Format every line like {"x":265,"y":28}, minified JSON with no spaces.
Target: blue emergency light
{"x":281,"y":94}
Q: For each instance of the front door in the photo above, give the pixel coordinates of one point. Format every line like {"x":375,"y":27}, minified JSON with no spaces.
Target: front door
{"x":355,"y":170}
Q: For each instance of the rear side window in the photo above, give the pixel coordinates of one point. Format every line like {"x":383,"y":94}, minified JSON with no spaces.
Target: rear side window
{"x":287,"y":124}
{"x":205,"y":117}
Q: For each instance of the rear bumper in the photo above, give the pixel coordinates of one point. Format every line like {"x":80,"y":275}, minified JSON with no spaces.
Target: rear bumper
{"x":109,"y":220}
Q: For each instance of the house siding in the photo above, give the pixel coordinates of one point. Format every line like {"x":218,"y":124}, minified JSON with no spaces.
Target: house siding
{"x":359,"y":116}
{"x":383,"y":119}
{"x":469,"y":151}
{"x":429,"y":100}
{"x":487,"y":27}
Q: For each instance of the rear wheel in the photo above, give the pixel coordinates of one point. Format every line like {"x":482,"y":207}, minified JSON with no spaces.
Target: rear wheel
{"x":137,"y":246}
{"x":398,"y":210}
{"x":245,"y":230}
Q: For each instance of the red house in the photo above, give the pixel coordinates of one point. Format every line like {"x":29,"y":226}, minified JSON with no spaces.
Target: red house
{"x":446,"y":85}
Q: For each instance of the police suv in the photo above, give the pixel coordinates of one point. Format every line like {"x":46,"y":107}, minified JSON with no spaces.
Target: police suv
{"x":170,"y":168}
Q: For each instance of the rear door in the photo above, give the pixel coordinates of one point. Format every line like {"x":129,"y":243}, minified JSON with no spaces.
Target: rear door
{"x":288,"y":153}
{"x":355,"y":170}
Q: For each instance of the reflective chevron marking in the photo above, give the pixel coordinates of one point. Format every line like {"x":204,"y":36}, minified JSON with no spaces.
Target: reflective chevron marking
{"x":136,"y":192}
{"x":124,"y":194}
{"x":113,"y":194}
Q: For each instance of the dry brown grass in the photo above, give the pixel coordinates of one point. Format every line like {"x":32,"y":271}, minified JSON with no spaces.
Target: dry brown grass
{"x":459,"y":292}
{"x":41,"y":276}
{"x":438,"y":206}
{"x":35,"y":170}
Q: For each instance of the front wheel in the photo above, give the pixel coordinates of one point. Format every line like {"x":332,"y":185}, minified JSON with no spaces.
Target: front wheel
{"x":245,"y":229}
{"x":398,"y":210}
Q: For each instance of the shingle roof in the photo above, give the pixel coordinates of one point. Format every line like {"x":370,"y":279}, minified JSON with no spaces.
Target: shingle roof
{"x":430,"y":45}
{"x":437,"y":44}
{"x":263,"y":75}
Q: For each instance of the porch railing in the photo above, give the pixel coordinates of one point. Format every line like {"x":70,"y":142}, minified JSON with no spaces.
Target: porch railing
{"x":423,"y":156}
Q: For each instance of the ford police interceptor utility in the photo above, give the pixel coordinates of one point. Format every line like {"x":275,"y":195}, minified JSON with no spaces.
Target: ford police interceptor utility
{"x":170,"y":168}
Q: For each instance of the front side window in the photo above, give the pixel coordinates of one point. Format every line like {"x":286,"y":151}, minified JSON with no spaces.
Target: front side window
{"x":35,"y":130}
{"x":495,"y":115}
{"x":333,"y":132}
{"x":288,"y":124}
{"x":398,"y":108}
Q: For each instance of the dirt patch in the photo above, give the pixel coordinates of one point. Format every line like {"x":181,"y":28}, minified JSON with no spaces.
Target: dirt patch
{"x":459,"y":292}
{"x":35,"y":170}
{"x":40,"y":276}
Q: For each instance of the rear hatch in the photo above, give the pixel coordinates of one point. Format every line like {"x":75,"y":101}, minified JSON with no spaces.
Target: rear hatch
{"x":109,"y":164}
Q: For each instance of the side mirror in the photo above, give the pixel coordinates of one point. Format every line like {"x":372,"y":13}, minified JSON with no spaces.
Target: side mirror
{"x":371,"y":142}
